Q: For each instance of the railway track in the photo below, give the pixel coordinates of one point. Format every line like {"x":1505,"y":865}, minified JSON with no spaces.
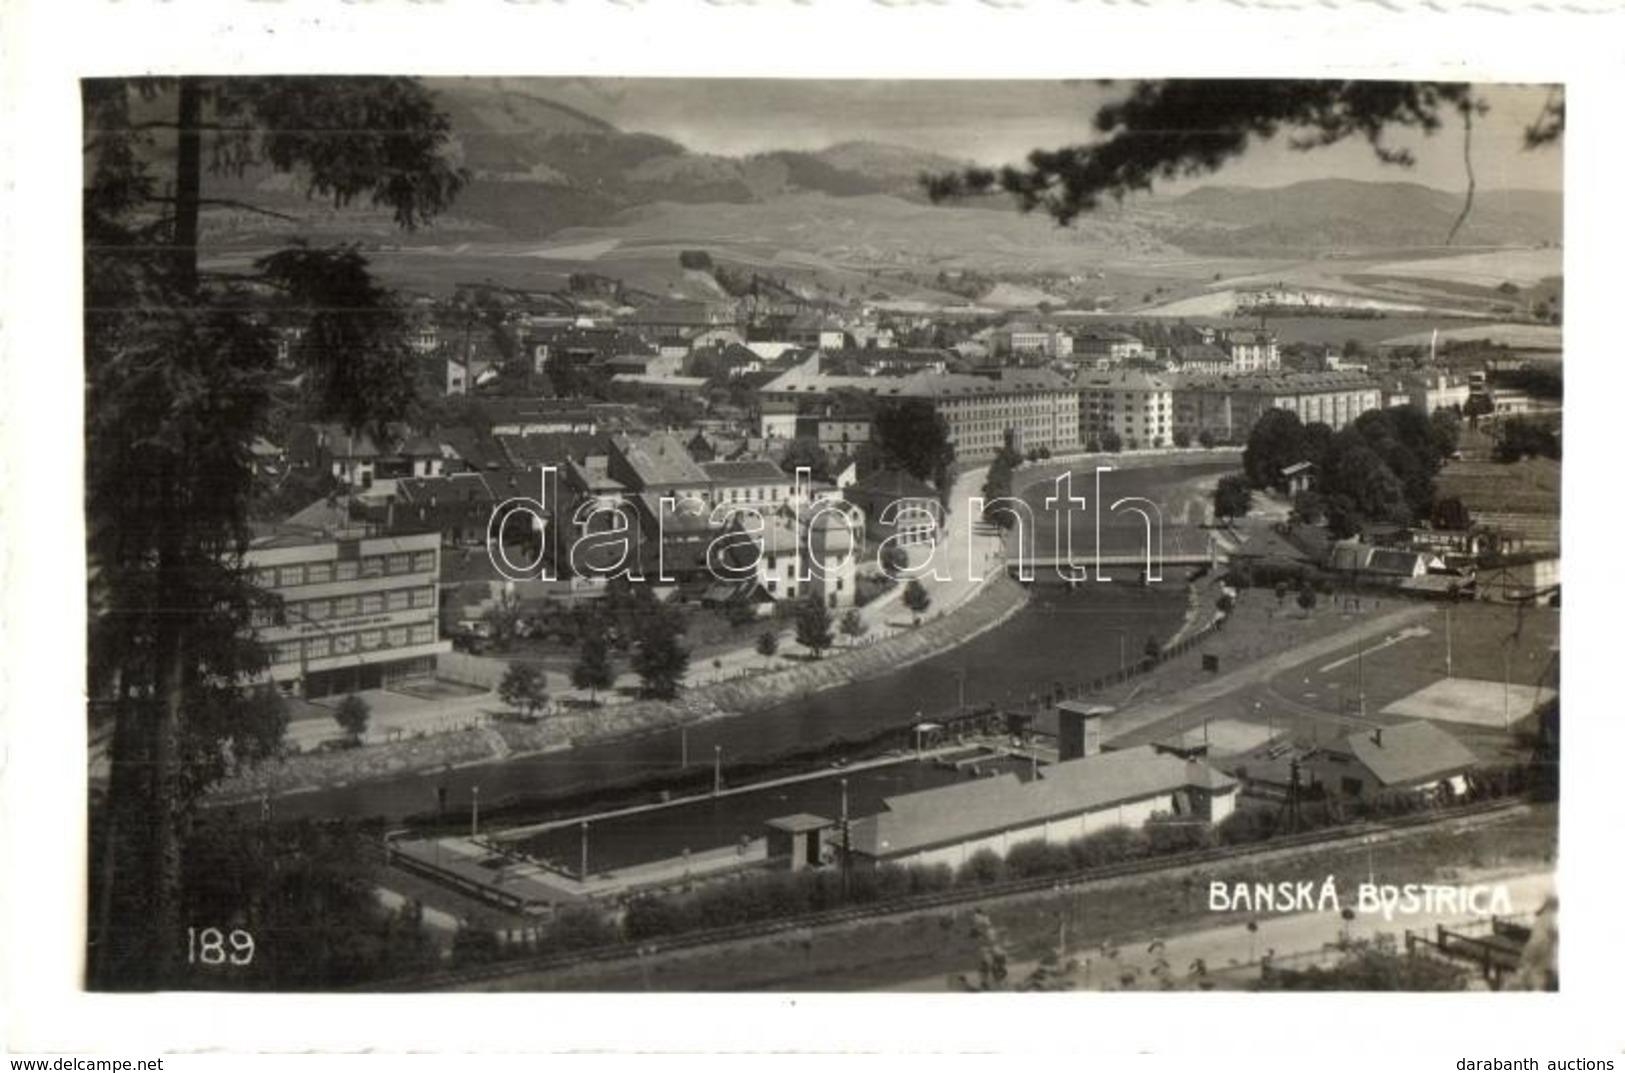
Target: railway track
{"x":630,"y":950}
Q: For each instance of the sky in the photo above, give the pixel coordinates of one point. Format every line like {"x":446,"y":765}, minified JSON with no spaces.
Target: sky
{"x":998,"y":122}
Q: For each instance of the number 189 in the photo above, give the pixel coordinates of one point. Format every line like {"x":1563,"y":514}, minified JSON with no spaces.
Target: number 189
{"x":209,"y":946}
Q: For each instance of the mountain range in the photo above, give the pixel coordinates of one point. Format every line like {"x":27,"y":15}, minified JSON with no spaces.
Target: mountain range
{"x":540,"y":167}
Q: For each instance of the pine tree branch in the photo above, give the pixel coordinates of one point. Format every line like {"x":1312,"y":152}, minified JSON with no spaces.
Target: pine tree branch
{"x":228,"y":203}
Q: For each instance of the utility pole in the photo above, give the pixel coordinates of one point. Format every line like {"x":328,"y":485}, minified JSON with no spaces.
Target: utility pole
{"x":583,"y":851}
{"x":683,"y":731}
{"x":1506,"y":688}
{"x":846,"y":846}
{"x":1359,"y":666}
{"x":716,"y":772}
{"x":474,"y":818}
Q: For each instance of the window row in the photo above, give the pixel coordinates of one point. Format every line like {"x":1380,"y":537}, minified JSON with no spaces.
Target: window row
{"x":340,"y":607}
{"x":321,"y":573}
{"x":345,"y":644}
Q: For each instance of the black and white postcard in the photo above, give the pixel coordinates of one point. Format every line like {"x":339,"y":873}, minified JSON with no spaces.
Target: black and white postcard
{"x":820,"y":535}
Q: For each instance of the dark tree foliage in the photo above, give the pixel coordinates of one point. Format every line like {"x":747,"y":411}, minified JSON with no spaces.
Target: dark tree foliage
{"x":1173,"y":129}
{"x":352,"y":716}
{"x":354,"y":345}
{"x":911,"y":435}
{"x":1524,"y":439}
{"x":1277,"y":440}
{"x":1231,"y":498}
{"x":593,"y":670}
{"x":523,"y":686}
{"x":1446,"y":428}
{"x":815,"y":628}
{"x":307,"y":893}
{"x":1000,"y":482}
{"x":1372,"y":488}
{"x":179,"y":366}
{"x":659,"y":657}
{"x":915,"y":597}
{"x":806,"y":451}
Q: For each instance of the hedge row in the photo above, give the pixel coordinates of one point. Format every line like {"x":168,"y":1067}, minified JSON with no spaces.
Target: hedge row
{"x":757,"y":896}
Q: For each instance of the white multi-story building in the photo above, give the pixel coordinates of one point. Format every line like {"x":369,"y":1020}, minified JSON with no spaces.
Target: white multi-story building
{"x":357,"y":612}
{"x":1228,"y":406}
{"x":809,"y":552}
{"x":1251,"y":351}
{"x":1036,"y":406}
{"x":1138,"y":407}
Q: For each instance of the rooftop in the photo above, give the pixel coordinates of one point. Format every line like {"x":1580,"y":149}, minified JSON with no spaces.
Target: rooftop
{"x":1409,"y":753}
{"x":660,"y":459}
{"x":1284,"y":383}
{"x":751,"y":471}
{"x":978,"y":807}
{"x":1126,"y":380}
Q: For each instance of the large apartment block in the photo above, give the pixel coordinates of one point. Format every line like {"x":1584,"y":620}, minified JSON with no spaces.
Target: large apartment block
{"x":1037,"y":406}
{"x":1229,"y":406}
{"x":1138,"y":407}
{"x":359,"y":613}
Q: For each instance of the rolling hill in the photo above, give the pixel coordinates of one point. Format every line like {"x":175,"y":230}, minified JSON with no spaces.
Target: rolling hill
{"x":1339,"y":214}
{"x":544,"y":170}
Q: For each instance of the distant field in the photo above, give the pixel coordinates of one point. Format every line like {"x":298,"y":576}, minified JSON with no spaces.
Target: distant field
{"x":1521,"y":336}
{"x":1488,"y":269}
{"x":1335,"y":331}
{"x":1460,"y":283}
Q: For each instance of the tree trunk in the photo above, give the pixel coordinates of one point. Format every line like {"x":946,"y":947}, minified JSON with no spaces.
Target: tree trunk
{"x":188,"y":183}
{"x":161,"y":879}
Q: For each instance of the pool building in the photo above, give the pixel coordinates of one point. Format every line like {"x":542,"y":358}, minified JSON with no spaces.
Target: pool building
{"x":1068,"y":800}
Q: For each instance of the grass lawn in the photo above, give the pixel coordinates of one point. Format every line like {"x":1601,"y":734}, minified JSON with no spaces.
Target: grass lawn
{"x":1533,"y":486}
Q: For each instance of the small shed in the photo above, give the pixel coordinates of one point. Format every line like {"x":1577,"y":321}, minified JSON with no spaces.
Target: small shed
{"x":1298,"y":477}
{"x":797,"y":841}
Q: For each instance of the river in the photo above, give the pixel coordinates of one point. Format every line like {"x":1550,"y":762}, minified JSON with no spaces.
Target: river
{"x":1063,"y":634}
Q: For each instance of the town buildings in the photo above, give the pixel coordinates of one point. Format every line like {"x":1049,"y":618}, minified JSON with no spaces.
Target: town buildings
{"x":1105,"y":348}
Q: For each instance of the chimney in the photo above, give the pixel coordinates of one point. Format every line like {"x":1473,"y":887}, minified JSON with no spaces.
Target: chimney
{"x":1376,"y":737}
{"x":1079,"y":729}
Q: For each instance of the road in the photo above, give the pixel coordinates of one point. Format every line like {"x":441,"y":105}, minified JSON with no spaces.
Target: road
{"x":1134,"y":719}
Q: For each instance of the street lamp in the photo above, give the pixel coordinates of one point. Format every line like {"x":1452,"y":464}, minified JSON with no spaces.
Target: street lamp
{"x":1506,"y":685}
{"x":1447,"y":646}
